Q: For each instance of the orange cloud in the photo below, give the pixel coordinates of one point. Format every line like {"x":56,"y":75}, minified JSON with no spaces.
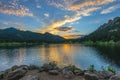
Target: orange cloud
{"x":21,"y":12}
{"x":88,"y":3}
{"x":14,"y":9}
{"x":67,"y":28}
{"x":80,"y":7}
{"x":56,"y":24}
{"x":75,"y":5}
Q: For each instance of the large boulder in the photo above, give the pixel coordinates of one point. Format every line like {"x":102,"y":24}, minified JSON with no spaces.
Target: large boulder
{"x":16,"y":73}
{"x":49,"y":66}
{"x":73,"y":69}
{"x":78,"y":72}
{"x":68,"y":74}
{"x":91,"y":76}
{"x":104,"y":74}
{"x":115,"y":77}
{"x":14,"y":67}
{"x":53,"y":72}
{"x":41,"y":69}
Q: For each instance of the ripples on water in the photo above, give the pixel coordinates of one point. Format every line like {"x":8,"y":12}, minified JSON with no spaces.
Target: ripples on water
{"x":63,"y":54}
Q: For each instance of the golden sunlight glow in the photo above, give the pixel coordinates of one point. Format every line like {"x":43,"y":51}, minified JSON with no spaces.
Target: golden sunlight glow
{"x":54,"y":53}
{"x":71,"y":36}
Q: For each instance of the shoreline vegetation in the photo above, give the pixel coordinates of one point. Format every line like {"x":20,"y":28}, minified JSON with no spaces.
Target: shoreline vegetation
{"x":50,"y":71}
{"x":110,"y":43}
{"x":17,"y":44}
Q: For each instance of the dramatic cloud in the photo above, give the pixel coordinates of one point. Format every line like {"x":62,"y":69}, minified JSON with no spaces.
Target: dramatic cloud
{"x":87,"y":3}
{"x":51,"y":27}
{"x":72,"y":36}
{"x":87,"y":11}
{"x":13,"y":8}
{"x":80,"y":7}
{"x":77,"y":4}
{"x":20,"y":12}
{"x":110,"y":9}
{"x":56,"y":24}
{"x":67,"y":28}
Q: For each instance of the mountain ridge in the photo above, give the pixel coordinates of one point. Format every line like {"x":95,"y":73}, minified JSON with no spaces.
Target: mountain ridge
{"x":107,"y":31}
{"x":13,"y":34}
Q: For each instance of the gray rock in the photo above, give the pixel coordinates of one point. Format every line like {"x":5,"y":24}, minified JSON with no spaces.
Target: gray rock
{"x":14,"y":67}
{"x":25,"y":67}
{"x":68,"y":74}
{"x":91,"y":76}
{"x":115,"y":77}
{"x":104,"y":74}
{"x":53,"y":72}
{"x":78,"y":72}
{"x":16,"y":74}
{"x":41,"y":69}
{"x":47,"y":67}
{"x":50,"y":66}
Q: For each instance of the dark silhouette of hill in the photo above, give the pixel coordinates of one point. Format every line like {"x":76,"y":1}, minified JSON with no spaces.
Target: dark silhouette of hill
{"x":13,"y":34}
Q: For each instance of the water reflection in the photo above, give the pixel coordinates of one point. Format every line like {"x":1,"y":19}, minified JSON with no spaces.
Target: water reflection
{"x":63,"y":54}
{"x":112,"y":54}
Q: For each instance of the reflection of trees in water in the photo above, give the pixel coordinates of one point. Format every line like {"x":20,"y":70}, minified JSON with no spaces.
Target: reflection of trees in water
{"x":111,"y":53}
{"x":11,"y":56}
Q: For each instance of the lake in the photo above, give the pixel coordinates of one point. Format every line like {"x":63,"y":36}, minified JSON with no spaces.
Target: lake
{"x":63,"y":54}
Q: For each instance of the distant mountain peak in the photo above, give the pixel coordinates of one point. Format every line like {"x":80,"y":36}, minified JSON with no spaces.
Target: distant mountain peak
{"x":10,"y":28}
{"x":106,"y":32}
{"x":13,"y":34}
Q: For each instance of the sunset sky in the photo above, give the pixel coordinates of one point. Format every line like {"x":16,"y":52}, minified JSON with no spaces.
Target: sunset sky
{"x":59,"y":17}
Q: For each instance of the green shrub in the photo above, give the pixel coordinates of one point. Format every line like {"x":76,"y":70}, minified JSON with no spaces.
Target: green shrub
{"x":111,"y":69}
{"x":91,"y":68}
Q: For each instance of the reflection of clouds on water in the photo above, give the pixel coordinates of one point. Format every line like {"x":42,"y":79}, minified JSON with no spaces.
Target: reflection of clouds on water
{"x":63,"y":54}
{"x":21,"y":55}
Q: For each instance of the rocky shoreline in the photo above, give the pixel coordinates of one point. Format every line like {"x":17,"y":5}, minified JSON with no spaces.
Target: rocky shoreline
{"x":51,"y":71}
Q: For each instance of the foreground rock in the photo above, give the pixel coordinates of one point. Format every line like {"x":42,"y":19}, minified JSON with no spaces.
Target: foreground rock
{"x":104,"y":74}
{"x":15,"y":72}
{"x":91,"y":76}
{"x":51,"y":71}
{"x":115,"y":77}
{"x":49,"y":66}
{"x":68,"y":74}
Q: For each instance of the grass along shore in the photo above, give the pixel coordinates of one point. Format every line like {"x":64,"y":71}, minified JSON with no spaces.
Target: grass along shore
{"x":18,"y":44}
{"x":102,"y":43}
{"x":50,"y":71}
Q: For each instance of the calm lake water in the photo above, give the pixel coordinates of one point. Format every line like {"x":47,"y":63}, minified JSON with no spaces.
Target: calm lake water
{"x":63,"y":54}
